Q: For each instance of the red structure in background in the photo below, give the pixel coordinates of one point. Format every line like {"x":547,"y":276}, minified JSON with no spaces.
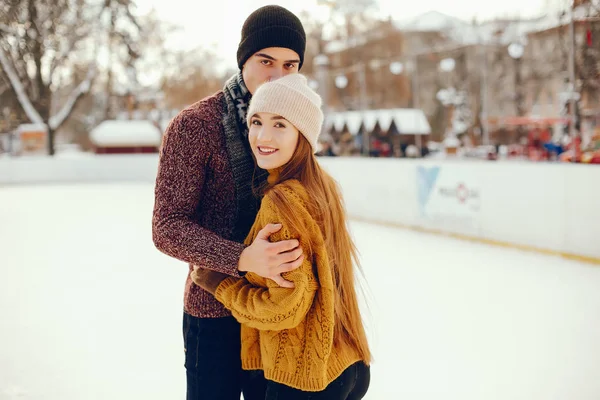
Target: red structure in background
{"x":126,"y":137}
{"x":126,"y":150}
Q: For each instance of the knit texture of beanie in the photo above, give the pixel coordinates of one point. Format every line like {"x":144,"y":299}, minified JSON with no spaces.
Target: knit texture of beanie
{"x":271,"y":26}
{"x":294,"y":100}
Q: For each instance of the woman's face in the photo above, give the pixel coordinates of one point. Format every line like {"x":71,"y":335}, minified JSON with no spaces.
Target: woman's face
{"x":273,"y":140}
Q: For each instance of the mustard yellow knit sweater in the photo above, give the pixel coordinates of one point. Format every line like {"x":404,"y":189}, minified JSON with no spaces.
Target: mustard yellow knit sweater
{"x":288,"y":333}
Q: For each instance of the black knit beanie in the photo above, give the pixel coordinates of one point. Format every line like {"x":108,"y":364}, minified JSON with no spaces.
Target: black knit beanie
{"x":271,"y":26}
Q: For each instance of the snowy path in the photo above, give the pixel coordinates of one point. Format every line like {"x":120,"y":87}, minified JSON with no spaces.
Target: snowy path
{"x":89,"y":309}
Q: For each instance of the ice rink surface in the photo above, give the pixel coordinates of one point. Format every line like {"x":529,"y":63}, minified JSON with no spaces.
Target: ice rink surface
{"x":90,"y":310}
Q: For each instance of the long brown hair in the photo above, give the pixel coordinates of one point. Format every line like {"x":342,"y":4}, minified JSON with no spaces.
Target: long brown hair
{"x":326,"y":205}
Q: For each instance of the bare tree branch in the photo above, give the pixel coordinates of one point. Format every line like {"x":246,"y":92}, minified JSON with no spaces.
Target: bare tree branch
{"x":8,"y":29}
{"x":57,"y":120}
{"x":17,"y":56}
{"x":67,"y":50}
{"x":29,"y":109}
{"x":4,"y":86}
{"x":132,"y":18}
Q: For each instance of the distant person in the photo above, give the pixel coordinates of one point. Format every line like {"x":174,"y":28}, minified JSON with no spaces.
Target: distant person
{"x":326,"y":150}
{"x":204,"y":203}
{"x":308,"y":340}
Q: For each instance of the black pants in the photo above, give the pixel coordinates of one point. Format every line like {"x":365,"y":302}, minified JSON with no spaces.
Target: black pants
{"x":352,"y":384}
{"x":212,"y":361}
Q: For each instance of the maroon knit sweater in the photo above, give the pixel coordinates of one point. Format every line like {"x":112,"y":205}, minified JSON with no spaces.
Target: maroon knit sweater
{"x":195,"y":217}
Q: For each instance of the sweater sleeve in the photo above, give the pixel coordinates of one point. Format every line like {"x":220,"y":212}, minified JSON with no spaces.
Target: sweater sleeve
{"x":178,"y":189}
{"x":272,"y":307}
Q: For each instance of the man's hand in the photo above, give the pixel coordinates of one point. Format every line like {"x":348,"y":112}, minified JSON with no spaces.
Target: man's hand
{"x":207,"y":279}
{"x":270,"y":260}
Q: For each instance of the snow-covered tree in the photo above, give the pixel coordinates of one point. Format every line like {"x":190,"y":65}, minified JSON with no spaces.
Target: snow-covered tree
{"x":353,"y":15}
{"x":458,"y":102}
{"x":586,"y":16}
{"x":588,"y":53}
{"x":189,"y":76}
{"x":122,"y":30}
{"x":462,"y":117}
{"x":41,"y":41}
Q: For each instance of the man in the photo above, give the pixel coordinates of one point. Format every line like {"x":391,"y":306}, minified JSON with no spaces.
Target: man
{"x":205,"y":204}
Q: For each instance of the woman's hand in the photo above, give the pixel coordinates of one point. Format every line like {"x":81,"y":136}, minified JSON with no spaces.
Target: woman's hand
{"x":207,"y":279}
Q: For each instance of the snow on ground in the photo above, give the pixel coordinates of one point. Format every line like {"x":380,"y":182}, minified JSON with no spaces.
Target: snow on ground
{"x":91,"y":310}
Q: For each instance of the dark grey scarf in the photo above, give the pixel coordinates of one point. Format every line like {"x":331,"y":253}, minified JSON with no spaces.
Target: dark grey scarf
{"x":245,"y":174}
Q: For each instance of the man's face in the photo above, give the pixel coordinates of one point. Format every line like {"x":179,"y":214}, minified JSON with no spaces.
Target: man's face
{"x":268,"y":65}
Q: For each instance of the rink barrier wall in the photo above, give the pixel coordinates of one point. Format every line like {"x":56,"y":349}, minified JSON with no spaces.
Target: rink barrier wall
{"x":497,"y":243}
{"x":547,"y":208}
{"x":78,"y":168}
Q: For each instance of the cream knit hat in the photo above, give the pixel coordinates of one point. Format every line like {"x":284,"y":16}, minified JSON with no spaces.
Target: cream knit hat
{"x":292,"y":98}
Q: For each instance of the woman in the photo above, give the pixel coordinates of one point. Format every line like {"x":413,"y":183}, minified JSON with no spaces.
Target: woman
{"x":309,"y":340}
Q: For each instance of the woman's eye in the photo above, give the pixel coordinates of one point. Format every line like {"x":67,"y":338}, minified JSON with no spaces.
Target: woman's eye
{"x":279,"y":125}
{"x":255,"y":122}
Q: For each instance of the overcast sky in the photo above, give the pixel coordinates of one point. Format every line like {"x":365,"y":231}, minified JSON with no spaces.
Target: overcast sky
{"x":217,"y":23}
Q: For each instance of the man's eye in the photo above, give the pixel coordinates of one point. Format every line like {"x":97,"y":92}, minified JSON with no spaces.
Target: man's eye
{"x":266,"y":62}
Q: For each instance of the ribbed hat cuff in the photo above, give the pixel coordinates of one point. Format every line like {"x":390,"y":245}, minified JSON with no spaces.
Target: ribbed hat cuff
{"x":291,"y":105}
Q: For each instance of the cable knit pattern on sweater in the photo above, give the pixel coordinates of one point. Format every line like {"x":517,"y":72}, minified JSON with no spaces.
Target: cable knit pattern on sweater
{"x":196,"y":213}
{"x":288,"y":333}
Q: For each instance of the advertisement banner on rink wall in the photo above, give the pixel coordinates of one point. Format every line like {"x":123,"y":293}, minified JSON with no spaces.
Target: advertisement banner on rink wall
{"x":449,"y":198}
